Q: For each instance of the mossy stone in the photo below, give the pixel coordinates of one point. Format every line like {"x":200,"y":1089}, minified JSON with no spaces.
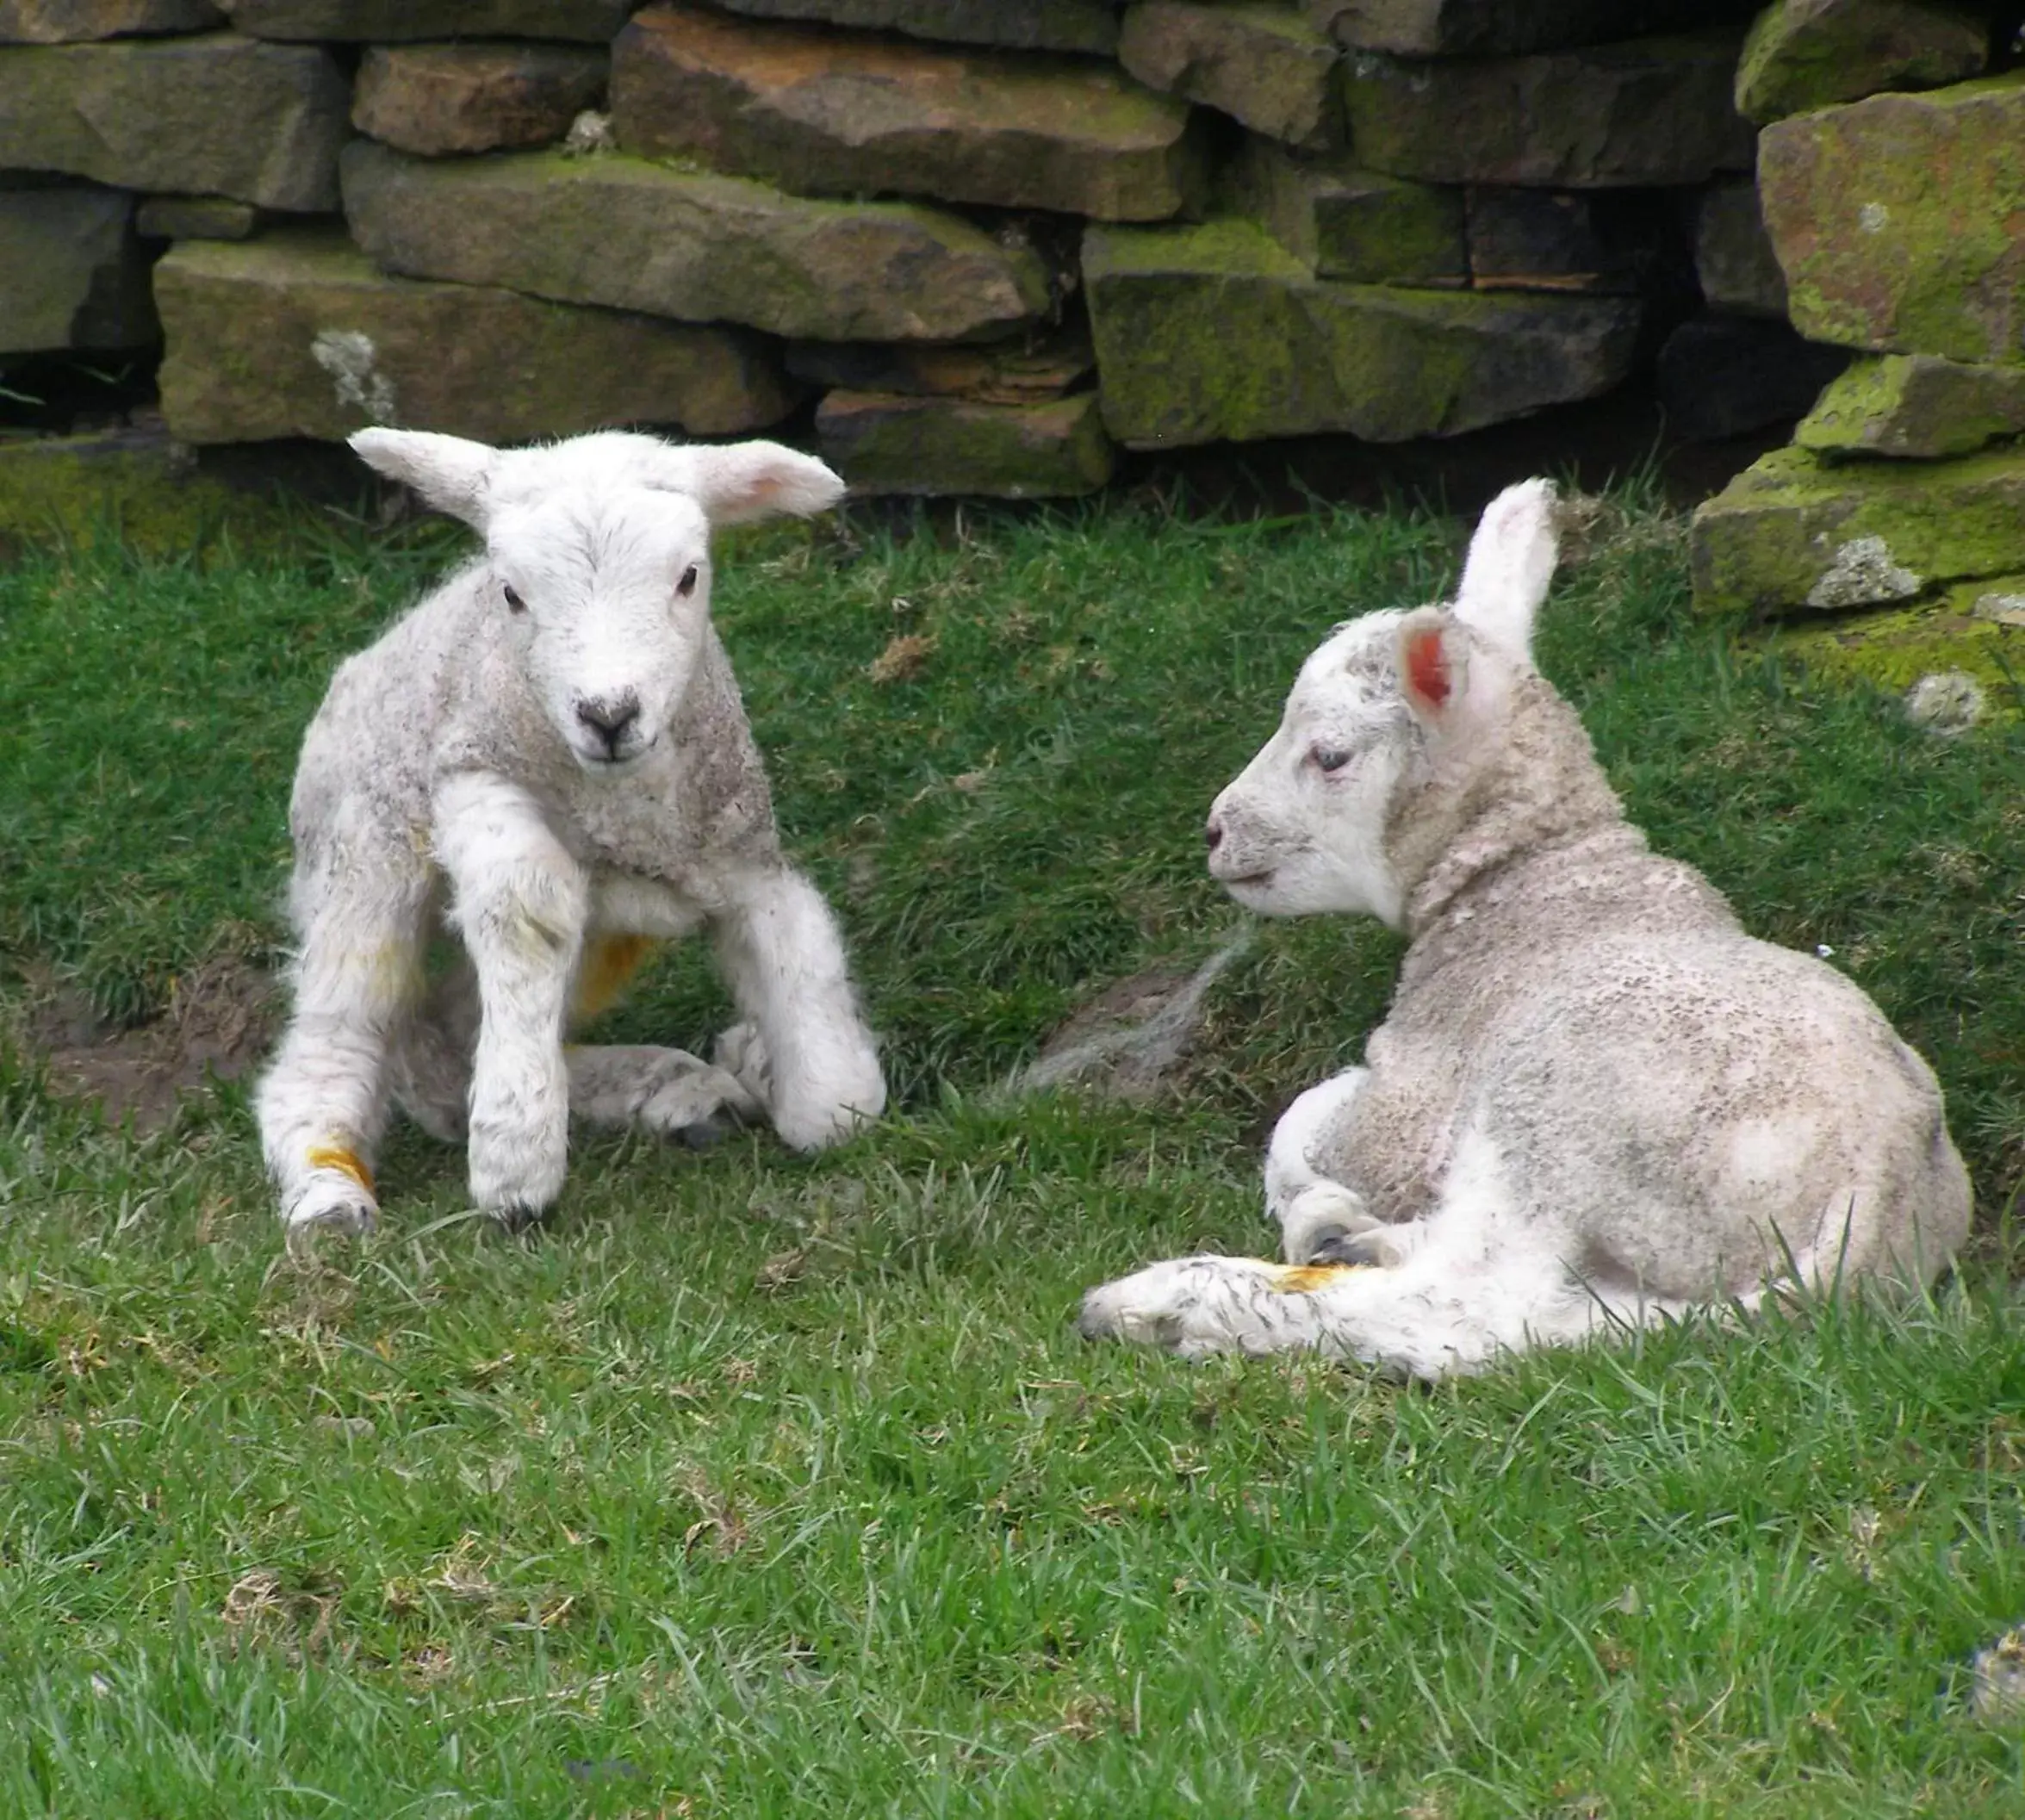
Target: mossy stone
{"x":138,"y":494}
{"x":1916,"y":406}
{"x":1343,"y":221}
{"x":1803,"y":54}
{"x":1895,"y":647}
{"x":888,"y":443}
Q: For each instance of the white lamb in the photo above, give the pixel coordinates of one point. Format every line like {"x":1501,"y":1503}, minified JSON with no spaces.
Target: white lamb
{"x":549,"y":754}
{"x":1595,"y":1103}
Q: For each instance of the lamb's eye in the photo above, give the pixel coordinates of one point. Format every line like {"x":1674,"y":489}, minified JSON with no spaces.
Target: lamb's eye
{"x":686,"y":586}
{"x":1330,"y":758}
{"x":514,"y":603}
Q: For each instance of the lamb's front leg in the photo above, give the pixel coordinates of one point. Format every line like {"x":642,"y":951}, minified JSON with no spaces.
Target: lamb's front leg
{"x":1321,"y":1219}
{"x":784,"y":961}
{"x":521,"y":901}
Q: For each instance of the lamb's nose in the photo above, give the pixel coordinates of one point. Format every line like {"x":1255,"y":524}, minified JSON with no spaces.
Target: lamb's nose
{"x":1213,"y":833}
{"x":610,"y":719}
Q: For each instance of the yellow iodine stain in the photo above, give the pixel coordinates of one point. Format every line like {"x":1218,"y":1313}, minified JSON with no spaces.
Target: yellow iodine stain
{"x":609,"y":962}
{"x":1302,"y":1279}
{"x":337,"y":1157}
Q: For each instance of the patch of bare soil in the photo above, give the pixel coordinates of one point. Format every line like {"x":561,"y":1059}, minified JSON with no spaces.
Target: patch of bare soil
{"x":220,"y":1018}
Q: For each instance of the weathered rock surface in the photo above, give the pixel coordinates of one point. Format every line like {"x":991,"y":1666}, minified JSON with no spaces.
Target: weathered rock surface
{"x":1733,"y":254}
{"x":1217,"y":333}
{"x":1812,"y":53}
{"x":435,"y":99}
{"x":821,"y":113}
{"x":407,"y":21}
{"x":296,"y":334}
{"x":78,"y":22}
{"x":696,"y":246}
{"x":890,"y":442}
{"x":1343,"y":221}
{"x":1004,"y":373}
{"x":1559,"y":239}
{"x":195,"y":217}
{"x":1263,"y":65}
{"x":213,"y":115}
{"x":72,"y":273}
{"x":1900,"y":221}
{"x":1507,"y":27}
{"x":1897,"y":647}
{"x":1915,"y":405}
{"x":1653,"y":111}
{"x":1727,"y":375}
{"x":1796,"y":531}
{"x":1032,"y":25}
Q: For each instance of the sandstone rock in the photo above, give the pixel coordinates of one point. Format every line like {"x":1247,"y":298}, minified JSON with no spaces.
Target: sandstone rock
{"x":1915,"y":405}
{"x":432,"y":99}
{"x":1900,"y":221}
{"x":1726,"y":375}
{"x":819,"y":111}
{"x":407,"y":21}
{"x":1005,"y":373}
{"x":195,"y":217}
{"x":1216,"y":331}
{"x":1812,"y":53}
{"x":1031,"y":25}
{"x":1558,"y":239}
{"x":1733,"y":255}
{"x":296,"y":334}
{"x":71,"y":274}
{"x":1264,"y":65}
{"x":888,"y":442}
{"x":1794,"y":531}
{"x":1343,"y":221}
{"x":1507,"y":27}
{"x":1654,"y":111}
{"x":76,"y":22}
{"x":215,"y":114}
{"x":696,"y":246}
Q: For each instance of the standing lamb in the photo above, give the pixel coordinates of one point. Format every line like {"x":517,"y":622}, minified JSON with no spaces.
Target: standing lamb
{"x":549,"y":755}
{"x":1595,"y":1101}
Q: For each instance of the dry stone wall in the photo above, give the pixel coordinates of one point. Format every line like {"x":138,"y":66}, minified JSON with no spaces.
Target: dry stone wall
{"x":978,"y":246}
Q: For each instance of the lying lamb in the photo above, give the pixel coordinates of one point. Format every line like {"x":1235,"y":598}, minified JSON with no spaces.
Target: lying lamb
{"x":1595,"y":1103}
{"x":549,"y":755}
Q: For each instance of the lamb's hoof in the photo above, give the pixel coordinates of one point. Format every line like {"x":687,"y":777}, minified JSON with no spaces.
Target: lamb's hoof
{"x":1151,"y":1306}
{"x":704,"y":1134}
{"x":1374,"y":1246}
{"x":518,"y":1220}
{"x":341,"y":1207}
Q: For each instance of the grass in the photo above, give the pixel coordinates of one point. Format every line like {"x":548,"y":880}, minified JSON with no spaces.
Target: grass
{"x":765,"y":1487}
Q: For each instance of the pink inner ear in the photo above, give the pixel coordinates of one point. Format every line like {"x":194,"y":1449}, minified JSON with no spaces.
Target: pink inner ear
{"x":1427,"y":667}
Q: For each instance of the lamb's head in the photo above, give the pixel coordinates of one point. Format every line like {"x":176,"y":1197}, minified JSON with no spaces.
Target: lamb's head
{"x":1391,"y":702}
{"x":599,"y":549}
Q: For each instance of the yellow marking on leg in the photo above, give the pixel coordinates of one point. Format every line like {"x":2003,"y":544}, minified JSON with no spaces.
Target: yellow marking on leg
{"x":609,"y":962}
{"x":337,"y":1157}
{"x":1303,"y":1279}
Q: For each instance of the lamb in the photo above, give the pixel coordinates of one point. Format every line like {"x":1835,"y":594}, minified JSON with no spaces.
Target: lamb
{"x":1595,"y":1103}
{"x":548,"y":755}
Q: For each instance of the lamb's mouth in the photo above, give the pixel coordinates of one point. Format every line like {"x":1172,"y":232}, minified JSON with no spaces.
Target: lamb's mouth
{"x":1249,"y":881}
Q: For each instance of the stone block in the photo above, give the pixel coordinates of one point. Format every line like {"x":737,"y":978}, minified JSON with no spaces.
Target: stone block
{"x":1263,"y":65}
{"x":1797,"y":532}
{"x":195,"y":217}
{"x":1561,"y":239}
{"x":297,"y":334}
{"x":1719,"y":377}
{"x":1343,"y":221}
{"x":80,"y":21}
{"x":1020,"y":372}
{"x":890,"y":442}
{"x":1217,"y":333}
{"x":1894,"y":647}
{"x":1650,"y":112}
{"x":72,"y":273}
{"x":821,"y":113}
{"x":694,"y":245}
{"x":1916,"y":406}
{"x":1803,"y":54}
{"x":217,"y":114}
{"x":435,"y":99}
{"x":1507,"y":27}
{"x":1734,"y":259}
{"x":1900,"y":221}
{"x":1090,"y":26}
{"x":409,"y":22}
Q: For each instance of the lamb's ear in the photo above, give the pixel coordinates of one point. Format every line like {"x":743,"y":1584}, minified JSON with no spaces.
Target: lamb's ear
{"x":451,"y":474}
{"x":746,"y":481}
{"x":1510,"y":563}
{"x":1433,"y":667}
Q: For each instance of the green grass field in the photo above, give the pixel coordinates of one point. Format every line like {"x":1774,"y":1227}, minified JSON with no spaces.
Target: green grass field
{"x":765,"y":1487}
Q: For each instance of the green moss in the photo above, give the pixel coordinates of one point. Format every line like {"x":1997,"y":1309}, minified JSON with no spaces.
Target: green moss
{"x":87,"y":490}
{"x":1896,"y":647}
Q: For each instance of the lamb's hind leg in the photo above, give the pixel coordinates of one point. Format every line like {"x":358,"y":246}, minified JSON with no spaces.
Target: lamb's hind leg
{"x":669,"y":1092}
{"x":1317,"y":1216}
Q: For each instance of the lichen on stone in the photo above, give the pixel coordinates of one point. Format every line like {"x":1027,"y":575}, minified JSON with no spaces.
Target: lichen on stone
{"x":1862,"y":574}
